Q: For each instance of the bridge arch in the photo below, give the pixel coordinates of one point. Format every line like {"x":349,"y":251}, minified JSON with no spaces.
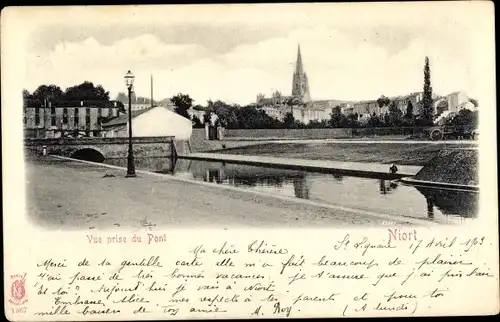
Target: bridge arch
{"x":88,"y":154}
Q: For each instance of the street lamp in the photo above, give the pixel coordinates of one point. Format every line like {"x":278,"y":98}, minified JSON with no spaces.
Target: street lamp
{"x":129,"y":81}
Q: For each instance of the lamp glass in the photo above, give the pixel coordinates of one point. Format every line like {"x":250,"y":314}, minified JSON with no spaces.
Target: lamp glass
{"x":129,"y":79}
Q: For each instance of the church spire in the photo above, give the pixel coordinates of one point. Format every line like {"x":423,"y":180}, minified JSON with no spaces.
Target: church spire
{"x":300,"y":85}
{"x":299,"y":68}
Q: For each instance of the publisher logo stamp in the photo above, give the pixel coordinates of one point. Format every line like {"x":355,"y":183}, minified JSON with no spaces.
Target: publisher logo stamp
{"x":18,"y":289}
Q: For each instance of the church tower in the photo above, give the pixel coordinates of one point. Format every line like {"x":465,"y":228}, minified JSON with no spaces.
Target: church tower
{"x":300,"y":86}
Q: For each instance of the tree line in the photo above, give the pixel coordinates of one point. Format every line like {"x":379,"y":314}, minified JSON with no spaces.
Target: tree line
{"x":253,"y":117}
{"x":85,"y":91}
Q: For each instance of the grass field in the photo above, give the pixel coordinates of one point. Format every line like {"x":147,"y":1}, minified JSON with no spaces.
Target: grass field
{"x":405,"y":154}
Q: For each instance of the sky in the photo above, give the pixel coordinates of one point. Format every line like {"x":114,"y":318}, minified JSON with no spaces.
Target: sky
{"x":233,"y":52}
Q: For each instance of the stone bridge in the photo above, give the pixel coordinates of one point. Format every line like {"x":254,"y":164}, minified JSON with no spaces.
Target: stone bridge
{"x":98,"y":149}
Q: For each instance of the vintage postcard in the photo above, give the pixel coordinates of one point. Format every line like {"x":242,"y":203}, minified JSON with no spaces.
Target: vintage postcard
{"x":249,"y":161}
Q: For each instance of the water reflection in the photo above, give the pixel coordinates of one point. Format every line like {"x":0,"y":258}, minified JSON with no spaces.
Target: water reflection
{"x":301,"y":187}
{"x":450,"y":202}
{"x":251,"y":176}
{"x":430,"y":208}
{"x":156,"y":164}
{"x":386,"y":186}
{"x":381,"y":196}
{"x":213,"y":175}
{"x":337,"y":177}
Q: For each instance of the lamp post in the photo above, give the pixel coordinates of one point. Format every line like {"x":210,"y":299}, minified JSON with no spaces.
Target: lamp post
{"x":129,"y":81}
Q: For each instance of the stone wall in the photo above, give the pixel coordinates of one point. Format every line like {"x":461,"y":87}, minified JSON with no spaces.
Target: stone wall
{"x":289,"y":133}
{"x":455,"y":166}
{"x":198,"y":142}
{"x":108,"y":147}
{"x":236,"y":138}
{"x":312,"y":134}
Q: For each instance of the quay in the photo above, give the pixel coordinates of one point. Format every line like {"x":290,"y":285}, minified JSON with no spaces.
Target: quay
{"x":372,"y":170}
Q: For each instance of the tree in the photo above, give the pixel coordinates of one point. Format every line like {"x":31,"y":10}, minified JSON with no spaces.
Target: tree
{"x":465,"y":118}
{"x":352,"y":120}
{"x":182,"y":104}
{"x":289,"y":120}
{"x":86,"y":91}
{"x":385,"y":120}
{"x":428,"y":108}
{"x":207,"y":117}
{"x":198,"y":107}
{"x":26,"y":94}
{"x":441,"y":107}
{"x":383,"y":101}
{"x":225,"y":112}
{"x":51,"y":93}
{"x":374,"y":121}
{"x":409,"y":110}
{"x":395,"y":115}
{"x":122,"y":97}
{"x":315,"y":124}
{"x":196,"y":122}
{"x":337,"y":119}
{"x":408,"y":118}
{"x":249,"y":117}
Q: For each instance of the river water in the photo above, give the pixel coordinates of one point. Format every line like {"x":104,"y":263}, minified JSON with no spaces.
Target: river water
{"x":381,"y":196}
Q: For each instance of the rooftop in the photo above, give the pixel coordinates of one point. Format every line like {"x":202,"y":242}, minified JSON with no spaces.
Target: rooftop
{"x":456,"y":92}
{"x":123,"y":119}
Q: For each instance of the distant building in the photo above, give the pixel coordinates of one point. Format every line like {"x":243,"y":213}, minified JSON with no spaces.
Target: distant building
{"x":197,"y":112}
{"x":152,"y":121}
{"x":347,"y":109}
{"x":453,"y":102}
{"x":139,"y":106}
{"x":441,"y":105}
{"x":67,"y":118}
{"x":366,"y":108}
{"x":166,"y":103}
{"x":306,"y":114}
{"x":140,"y":102}
{"x":455,"y":99}
{"x":299,"y":103}
{"x":278,"y":112}
{"x":300,"y":83}
{"x":276,"y":106}
{"x":415,"y":99}
{"x":325,"y":105}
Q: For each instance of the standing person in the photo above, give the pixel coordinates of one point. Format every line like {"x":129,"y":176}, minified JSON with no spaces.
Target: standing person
{"x":393,"y":168}
{"x":214,"y":121}
{"x":207,"y":117}
{"x":220,"y":129}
